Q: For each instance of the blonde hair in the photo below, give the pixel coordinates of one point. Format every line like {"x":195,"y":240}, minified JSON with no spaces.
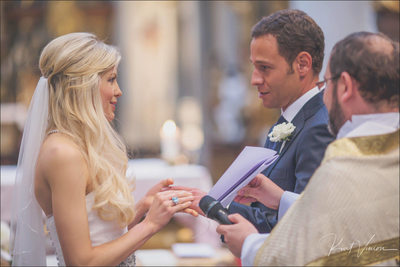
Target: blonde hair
{"x":73,"y":64}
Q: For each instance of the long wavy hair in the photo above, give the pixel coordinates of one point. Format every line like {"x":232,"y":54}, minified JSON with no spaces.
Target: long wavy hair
{"x":73,"y":64}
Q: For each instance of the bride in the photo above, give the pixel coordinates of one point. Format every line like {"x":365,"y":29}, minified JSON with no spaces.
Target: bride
{"x":72,"y":165}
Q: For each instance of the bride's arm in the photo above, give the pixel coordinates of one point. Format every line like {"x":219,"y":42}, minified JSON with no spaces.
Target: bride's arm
{"x":66,"y":173}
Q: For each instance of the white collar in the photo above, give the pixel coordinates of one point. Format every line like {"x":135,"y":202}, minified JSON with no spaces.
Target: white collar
{"x":295,"y":107}
{"x":370,"y":124}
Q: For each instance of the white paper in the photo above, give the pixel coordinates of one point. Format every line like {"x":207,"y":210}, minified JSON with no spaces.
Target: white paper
{"x":250,"y":162}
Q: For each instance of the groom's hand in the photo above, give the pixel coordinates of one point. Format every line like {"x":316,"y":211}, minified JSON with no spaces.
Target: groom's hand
{"x":261,"y":189}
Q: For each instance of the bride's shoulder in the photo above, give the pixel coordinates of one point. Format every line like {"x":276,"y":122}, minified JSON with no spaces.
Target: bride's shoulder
{"x":62,"y":166}
{"x":60,"y":149}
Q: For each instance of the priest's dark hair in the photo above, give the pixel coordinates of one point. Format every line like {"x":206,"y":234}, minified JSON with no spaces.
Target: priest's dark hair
{"x":372,"y":59}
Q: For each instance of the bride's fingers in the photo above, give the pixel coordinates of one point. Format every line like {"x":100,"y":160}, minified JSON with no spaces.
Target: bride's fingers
{"x":177,"y":200}
{"x":165,"y":184}
{"x":179,"y":187}
{"x":181,"y":200}
{"x":181,"y":206}
{"x":170,"y":194}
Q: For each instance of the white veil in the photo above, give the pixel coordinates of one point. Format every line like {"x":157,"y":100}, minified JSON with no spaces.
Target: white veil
{"x":27,"y":229}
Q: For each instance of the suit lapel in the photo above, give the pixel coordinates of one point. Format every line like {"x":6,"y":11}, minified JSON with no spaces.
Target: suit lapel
{"x":309,"y":109}
{"x":298,"y":121}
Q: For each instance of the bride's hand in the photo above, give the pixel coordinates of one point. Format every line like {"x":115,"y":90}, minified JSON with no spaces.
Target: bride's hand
{"x":163,"y":208}
{"x":198,"y":195}
{"x":162,"y":185}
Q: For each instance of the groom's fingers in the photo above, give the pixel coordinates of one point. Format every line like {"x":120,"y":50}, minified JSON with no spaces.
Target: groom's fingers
{"x":249,"y":192}
{"x":191,"y":212}
{"x":244,"y":199}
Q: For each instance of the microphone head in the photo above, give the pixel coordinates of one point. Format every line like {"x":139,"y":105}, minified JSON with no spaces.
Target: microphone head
{"x":207,"y":203}
{"x":213,"y":209}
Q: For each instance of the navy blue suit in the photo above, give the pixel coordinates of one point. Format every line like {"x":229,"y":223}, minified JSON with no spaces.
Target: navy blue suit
{"x":299,"y":158}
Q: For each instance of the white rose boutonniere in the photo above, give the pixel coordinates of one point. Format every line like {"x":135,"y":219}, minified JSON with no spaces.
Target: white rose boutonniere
{"x":282,"y":132}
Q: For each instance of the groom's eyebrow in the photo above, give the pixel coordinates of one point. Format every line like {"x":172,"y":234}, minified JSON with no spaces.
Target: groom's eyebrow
{"x":263,"y":62}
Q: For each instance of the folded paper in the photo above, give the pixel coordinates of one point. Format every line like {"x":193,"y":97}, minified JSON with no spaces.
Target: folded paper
{"x":250,"y":162}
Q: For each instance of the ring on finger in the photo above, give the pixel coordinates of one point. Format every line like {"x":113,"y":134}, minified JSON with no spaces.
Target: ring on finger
{"x":175,"y":200}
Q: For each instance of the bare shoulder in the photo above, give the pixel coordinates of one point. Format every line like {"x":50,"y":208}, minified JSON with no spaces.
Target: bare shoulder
{"x":59,"y":148}
{"x":60,"y":157}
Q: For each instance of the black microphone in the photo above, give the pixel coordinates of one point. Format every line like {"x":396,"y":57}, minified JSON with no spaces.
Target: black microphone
{"x":214,"y":210}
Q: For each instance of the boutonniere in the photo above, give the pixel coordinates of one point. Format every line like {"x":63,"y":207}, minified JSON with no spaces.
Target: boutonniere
{"x":282,"y":132}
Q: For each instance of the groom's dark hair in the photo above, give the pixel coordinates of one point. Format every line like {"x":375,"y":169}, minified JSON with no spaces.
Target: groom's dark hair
{"x":295,"y":31}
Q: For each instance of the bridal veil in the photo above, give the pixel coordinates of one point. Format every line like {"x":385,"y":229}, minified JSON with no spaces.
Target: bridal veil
{"x":27,"y":228}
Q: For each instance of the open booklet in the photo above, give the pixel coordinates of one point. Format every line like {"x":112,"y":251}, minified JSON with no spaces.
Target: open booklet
{"x":250,"y":162}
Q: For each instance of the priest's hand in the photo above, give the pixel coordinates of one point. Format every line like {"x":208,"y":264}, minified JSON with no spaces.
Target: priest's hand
{"x":236,"y":233}
{"x":260,"y":189}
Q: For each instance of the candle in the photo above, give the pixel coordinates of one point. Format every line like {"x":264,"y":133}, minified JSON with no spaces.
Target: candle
{"x":169,"y":141}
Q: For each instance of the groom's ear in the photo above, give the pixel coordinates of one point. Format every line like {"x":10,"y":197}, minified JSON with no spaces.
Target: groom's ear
{"x":303,"y":63}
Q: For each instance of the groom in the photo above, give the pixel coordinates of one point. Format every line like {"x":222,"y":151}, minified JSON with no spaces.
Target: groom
{"x":287,"y":51}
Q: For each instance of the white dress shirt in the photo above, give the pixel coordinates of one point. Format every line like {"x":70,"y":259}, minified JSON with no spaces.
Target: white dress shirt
{"x":294,"y":108}
{"x":359,"y":125}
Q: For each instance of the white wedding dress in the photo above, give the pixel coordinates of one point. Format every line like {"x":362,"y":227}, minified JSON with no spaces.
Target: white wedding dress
{"x":100,"y":232}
